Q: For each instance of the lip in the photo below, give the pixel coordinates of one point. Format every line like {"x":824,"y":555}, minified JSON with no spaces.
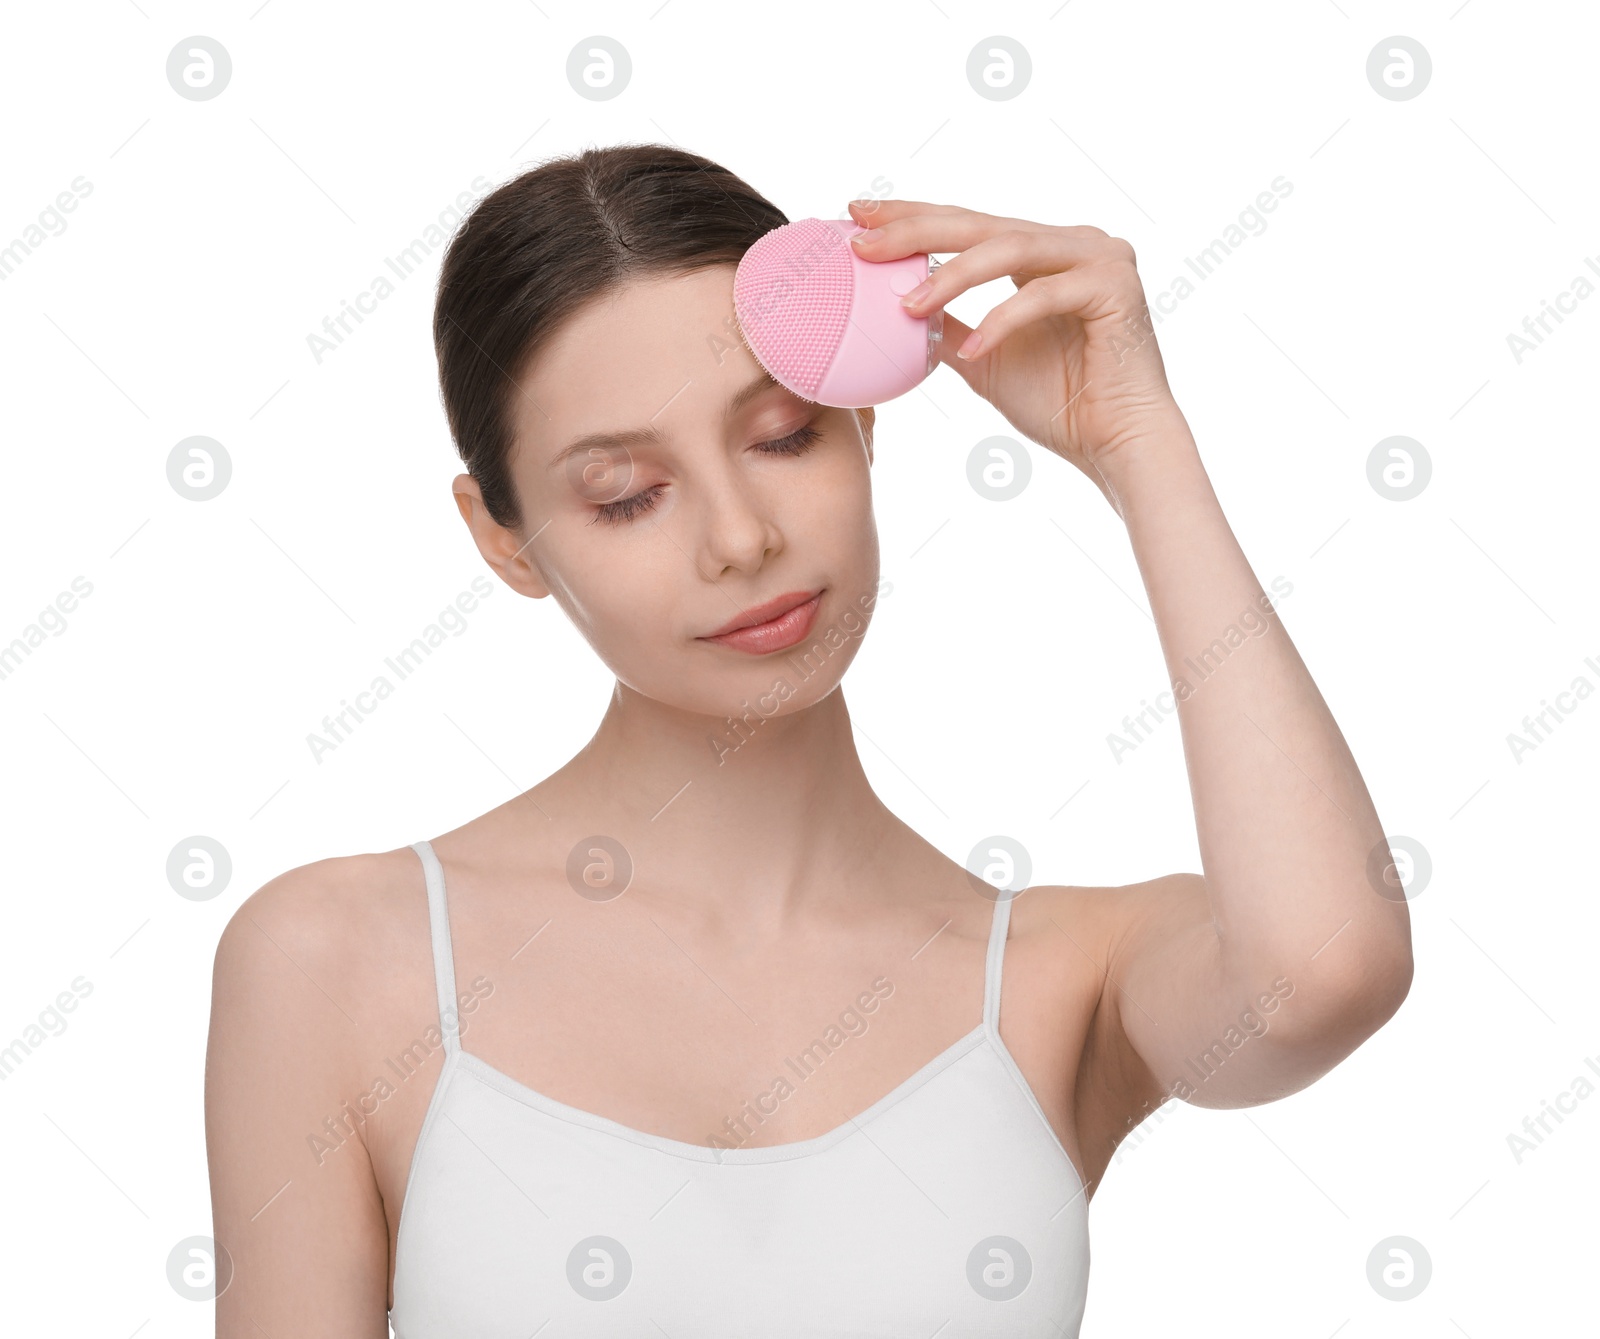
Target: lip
{"x":772,"y":626}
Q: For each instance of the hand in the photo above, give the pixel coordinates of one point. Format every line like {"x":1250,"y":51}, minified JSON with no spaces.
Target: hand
{"x":1070,"y":359}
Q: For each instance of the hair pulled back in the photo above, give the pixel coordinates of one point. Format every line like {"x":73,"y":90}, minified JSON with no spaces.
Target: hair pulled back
{"x":537,"y":249}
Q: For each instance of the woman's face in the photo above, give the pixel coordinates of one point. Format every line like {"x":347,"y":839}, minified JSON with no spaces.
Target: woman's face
{"x":669,"y":485}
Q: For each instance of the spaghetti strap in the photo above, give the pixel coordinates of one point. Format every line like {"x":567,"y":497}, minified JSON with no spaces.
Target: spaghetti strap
{"x":444,"y":970}
{"x":995,"y":960}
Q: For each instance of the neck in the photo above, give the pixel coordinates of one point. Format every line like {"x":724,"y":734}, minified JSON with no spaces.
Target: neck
{"x":766,"y":814}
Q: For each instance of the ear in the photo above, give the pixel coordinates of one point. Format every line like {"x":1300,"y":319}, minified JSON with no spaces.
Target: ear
{"x":868,"y":417}
{"x":504,"y":550}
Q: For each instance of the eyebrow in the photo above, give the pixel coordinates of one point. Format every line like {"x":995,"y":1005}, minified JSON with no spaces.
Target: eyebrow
{"x":652,"y":435}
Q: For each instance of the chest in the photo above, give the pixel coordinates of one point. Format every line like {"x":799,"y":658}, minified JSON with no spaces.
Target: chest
{"x":948,"y":1207}
{"x":682,"y":1048}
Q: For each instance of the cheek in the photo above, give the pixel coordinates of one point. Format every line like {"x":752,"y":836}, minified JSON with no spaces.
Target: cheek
{"x":837,"y":504}
{"x":602,"y":593}
{"x":583,"y":589}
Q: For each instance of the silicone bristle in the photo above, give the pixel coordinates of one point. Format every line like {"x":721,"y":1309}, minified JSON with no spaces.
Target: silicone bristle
{"x":792,"y":295}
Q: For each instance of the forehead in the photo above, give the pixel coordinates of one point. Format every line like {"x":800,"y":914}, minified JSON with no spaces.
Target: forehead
{"x":655,"y":350}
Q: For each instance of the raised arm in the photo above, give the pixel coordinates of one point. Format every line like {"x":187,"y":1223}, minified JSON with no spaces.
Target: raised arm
{"x":1246,"y":983}
{"x":1286,"y":950}
{"x":307,"y":1236}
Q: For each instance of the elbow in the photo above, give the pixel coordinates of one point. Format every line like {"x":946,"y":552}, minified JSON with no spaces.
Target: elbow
{"x":1364,"y":999}
{"x":1365,"y":973}
{"x":1399,"y":983}
{"x":1388,"y":988}
{"x":1339,"y":1009}
{"x":1382,"y":972}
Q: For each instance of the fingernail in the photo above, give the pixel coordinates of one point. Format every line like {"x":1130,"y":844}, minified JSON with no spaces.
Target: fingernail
{"x":871,"y":235}
{"x":916,"y":294}
{"x":969,"y":349}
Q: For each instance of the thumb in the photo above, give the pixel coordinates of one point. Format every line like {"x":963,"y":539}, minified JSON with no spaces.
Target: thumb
{"x":955,"y":333}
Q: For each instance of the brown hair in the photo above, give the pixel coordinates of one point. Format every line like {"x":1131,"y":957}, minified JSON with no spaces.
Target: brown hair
{"x":538,"y":248}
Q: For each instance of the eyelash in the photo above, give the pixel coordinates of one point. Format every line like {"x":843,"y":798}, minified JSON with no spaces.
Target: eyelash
{"x":797,"y":443}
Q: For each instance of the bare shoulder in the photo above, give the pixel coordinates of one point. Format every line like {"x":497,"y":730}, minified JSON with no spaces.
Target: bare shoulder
{"x":315,"y":962}
{"x":330,"y":922}
{"x":324,"y":891}
{"x":1107,"y":924}
{"x":1078,"y":928}
{"x":336,"y":950}
{"x":1070,"y":913}
{"x":1092,"y":925}
{"x":302,"y":977}
{"x":1095,"y":928}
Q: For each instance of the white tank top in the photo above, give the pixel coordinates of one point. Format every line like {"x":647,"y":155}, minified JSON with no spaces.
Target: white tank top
{"x":948,"y":1207}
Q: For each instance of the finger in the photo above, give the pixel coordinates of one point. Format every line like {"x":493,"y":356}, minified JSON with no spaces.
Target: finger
{"x":1019,"y":254}
{"x":1084,"y":293}
{"x":908,"y":226}
{"x":904,"y":227}
{"x":954,"y":335}
{"x":890,"y":209}
{"x":872,"y":213}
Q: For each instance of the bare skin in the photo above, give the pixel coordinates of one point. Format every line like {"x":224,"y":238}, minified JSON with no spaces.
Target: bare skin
{"x":770,"y":886}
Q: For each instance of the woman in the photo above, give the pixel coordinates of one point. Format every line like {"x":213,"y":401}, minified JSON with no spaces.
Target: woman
{"x":695,"y":1037}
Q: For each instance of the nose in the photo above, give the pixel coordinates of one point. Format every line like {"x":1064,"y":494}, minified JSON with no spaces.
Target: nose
{"x":739,"y":530}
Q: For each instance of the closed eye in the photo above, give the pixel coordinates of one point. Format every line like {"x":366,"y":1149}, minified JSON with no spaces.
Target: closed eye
{"x":797,"y":443}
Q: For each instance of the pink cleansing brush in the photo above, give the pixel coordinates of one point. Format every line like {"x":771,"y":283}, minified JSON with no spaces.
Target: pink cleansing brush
{"x":827,"y":324}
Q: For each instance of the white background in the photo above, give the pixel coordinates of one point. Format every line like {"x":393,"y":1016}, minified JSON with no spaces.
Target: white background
{"x":1377,"y":301}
